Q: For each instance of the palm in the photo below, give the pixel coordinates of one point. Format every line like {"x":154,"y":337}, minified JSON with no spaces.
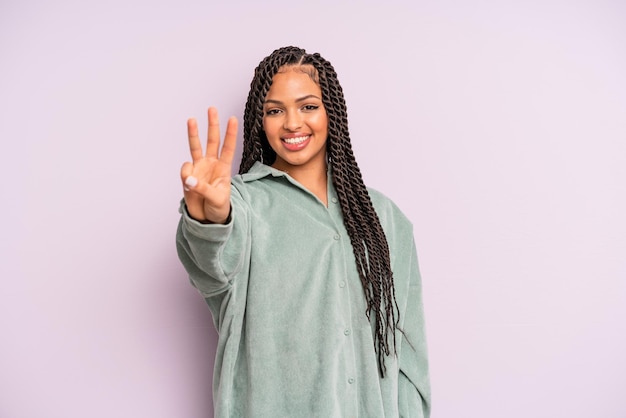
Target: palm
{"x":209,"y":199}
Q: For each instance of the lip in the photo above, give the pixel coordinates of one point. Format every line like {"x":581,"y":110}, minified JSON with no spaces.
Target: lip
{"x":291,"y":145}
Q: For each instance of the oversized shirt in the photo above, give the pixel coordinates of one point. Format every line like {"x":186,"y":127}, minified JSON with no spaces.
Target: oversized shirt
{"x":281,"y":282}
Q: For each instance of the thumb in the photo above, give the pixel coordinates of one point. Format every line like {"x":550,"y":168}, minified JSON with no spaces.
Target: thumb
{"x":198,"y":189}
{"x":191,"y":182}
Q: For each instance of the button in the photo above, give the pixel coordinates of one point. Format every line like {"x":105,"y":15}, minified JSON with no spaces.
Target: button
{"x":346,"y":332}
{"x":334,"y":200}
{"x":351,"y":380}
{"x":342,"y":284}
{"x":336,"y":237}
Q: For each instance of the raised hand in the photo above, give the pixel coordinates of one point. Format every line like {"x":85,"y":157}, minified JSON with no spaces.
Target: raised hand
{"x":206,"y":180}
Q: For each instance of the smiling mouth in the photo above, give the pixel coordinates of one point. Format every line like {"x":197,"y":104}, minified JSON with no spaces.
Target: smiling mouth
{"x":297,"y":140}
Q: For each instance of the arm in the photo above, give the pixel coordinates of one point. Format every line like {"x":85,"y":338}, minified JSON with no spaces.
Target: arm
{"x":414,"y":382}
{"x":206,"y":225}
{"x":212,"y":254}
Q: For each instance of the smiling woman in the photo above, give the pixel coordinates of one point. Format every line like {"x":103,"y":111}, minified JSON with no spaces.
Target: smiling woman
{"x":311,"y":277}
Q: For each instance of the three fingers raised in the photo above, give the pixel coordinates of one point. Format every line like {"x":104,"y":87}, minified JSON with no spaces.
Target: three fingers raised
{"x":213,"y":138}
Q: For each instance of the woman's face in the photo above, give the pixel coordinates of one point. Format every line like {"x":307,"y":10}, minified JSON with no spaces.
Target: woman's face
{"x":295,"y":121}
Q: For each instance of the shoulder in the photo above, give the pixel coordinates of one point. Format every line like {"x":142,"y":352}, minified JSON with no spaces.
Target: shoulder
{"x":398,"y":232}
{"x":389,"y":213}
{"x":246,"y":183}
{"x":397,"y":226}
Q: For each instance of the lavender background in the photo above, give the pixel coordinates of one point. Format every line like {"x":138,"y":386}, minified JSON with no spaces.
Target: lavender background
{"x":499,"y":127}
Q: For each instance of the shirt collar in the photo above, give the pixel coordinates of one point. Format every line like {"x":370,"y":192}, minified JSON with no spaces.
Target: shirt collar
{"x":260,"y":170}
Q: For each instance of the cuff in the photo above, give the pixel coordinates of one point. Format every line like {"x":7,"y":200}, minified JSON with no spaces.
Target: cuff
{"x":209,"y":232}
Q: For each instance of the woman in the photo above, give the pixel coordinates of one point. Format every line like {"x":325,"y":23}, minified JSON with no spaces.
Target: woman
{"x":312,"y":278}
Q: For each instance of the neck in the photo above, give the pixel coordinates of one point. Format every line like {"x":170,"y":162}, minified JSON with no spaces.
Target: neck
{"x":314,"y":179}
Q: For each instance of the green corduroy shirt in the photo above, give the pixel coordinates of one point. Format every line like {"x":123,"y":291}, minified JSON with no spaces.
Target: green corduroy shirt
{"x":281,"y":282}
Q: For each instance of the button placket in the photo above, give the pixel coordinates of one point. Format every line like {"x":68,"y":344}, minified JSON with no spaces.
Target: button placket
{"x":349,"y":366}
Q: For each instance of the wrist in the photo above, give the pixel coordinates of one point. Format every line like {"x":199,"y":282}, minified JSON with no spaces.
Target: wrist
{"x":222,"y":221}
{"x":206,"y":221}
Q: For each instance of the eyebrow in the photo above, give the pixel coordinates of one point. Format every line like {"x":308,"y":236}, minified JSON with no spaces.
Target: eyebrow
{"x":301,"y":99}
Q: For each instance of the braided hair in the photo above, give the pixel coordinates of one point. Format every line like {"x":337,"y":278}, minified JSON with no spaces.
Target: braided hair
{"x":368,"y":239}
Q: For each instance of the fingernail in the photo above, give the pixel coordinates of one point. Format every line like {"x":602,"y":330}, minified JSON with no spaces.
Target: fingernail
{"x":191,"y":181}
{"x":186,"y":189}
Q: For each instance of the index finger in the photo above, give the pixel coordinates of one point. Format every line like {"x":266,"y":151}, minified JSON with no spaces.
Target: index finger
{"x":195,"y":148}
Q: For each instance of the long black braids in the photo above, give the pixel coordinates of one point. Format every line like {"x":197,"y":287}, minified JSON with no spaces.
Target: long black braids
{"x":368,"y":239}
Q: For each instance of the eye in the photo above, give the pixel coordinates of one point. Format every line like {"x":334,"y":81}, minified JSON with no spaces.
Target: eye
{"x":310,"y":107}
{"x":272,"y":112}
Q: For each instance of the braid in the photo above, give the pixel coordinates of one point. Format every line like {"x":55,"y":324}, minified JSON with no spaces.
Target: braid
{"x":368,"y":239}
{"x":255,"y":145}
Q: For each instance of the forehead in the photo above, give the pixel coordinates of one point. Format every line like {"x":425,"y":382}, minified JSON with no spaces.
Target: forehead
{"x":292,"y":82}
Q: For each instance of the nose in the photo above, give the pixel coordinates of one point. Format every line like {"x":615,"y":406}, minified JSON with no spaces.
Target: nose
{"x":293,"y":121}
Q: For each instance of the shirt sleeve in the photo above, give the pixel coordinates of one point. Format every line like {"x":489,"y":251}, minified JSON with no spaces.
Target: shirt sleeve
{"x":214,"y":254}
{"x":414,"y":381}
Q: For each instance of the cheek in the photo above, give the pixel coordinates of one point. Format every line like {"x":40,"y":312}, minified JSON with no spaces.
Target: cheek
{"x":321,"y":122}
{"x":268,"y":128}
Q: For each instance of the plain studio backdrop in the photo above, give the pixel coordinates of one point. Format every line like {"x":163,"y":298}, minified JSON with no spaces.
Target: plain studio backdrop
{"x":499,"y":128}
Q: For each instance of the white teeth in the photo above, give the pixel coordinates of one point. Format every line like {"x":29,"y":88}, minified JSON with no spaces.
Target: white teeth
{"x":297,"y":140}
